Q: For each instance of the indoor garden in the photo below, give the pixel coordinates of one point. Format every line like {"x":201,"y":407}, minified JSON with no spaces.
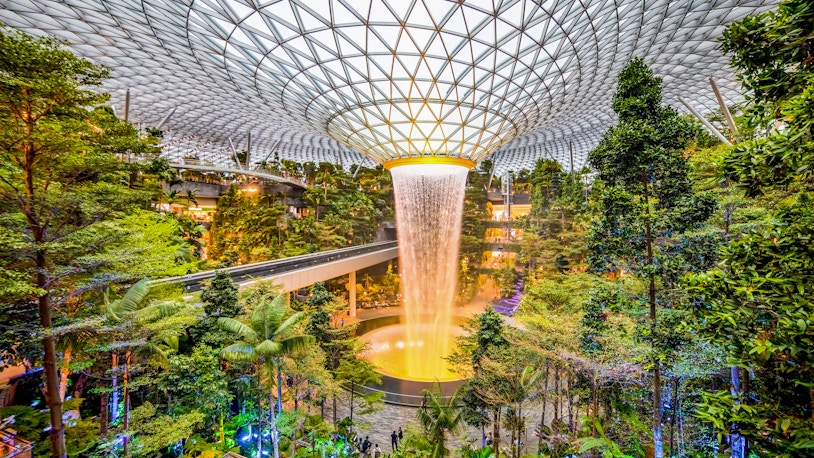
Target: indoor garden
{"x":426,"y":300}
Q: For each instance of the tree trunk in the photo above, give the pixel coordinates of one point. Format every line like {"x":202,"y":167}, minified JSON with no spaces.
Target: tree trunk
{"x":57,"y":432}
{"x":279,"y":388}
{"x":736,"y":441}
{"x":126,"y":396}
{"x":81,"y":383}
{"x":351,"y":402}
{"x":556,"y":395}
{"x":260,"y":423}
{"x":103,"y":414}
{"x":675,"y":415}
{"x":542,"y":414}
{"x":571,"y":426}
{"x":513,"y":436}
{"x":658,"y":445}
{"x":65,"y":372}
{"x":334,"y":410}
{"x":496,"y":431}
{"x":114,"y":368}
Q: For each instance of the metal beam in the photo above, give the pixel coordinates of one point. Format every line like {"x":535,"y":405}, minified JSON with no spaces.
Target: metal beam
{"x":724,"y":108}
{"x":248,"y":148}
{"x":272,"y":150}
{"x":166,"y":118}
{"x":234,"y":154}
{"x":126,"y":104}
{"x":706,"y":123}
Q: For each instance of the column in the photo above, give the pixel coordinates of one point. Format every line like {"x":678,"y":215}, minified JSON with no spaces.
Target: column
{"x":352,"y":293}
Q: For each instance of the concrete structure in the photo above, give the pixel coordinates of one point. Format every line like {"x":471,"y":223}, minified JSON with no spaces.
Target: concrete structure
{"x":301,"y":271}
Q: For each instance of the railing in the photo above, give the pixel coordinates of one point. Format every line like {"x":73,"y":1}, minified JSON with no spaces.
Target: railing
{"x":13,"y":446}
{"x":248,"y":272}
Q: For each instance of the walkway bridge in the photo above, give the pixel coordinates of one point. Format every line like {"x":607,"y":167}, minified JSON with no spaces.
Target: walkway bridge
{"x":298,"y":272}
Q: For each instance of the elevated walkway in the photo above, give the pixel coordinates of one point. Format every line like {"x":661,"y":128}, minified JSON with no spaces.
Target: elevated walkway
{"x":298,"y":271}
{"x":237,"y":171}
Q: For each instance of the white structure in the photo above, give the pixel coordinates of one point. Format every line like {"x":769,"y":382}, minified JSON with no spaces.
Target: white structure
{"x":325,"y":80}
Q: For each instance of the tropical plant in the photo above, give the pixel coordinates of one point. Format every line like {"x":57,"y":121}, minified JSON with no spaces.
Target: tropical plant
{"x":267,"y":337}
{"x":646,"y":199}
{"x":439,"y":416}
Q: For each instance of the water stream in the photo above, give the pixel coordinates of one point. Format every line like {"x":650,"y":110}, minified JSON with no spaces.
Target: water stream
{"x":429,"y":206}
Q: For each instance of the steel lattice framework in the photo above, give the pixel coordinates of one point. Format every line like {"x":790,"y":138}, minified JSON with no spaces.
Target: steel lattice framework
{"x":325,"y":80}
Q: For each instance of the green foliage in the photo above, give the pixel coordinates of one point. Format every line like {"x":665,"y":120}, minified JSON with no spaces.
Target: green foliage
{"x":773,"y":56}
{"x":319,"y":322}
{"x":609,"y":448}
{"x":196,"y":382}
{"x":756,"y":304}
{"x":268,"y":334}
{"x":489,"y":336}
{"x":758,"y":307}
{"x":505,"y":280}
{"x":155,"y":432}
{"x":31,"y":424}
{"x":220,"y":297}
{"x":438,"y":416}
{"x":593,"y":321}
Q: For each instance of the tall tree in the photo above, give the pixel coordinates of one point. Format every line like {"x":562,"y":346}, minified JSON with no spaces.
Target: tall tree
{"x":59,"y":182}
{"x":647,"y":197}
{"x":758,"y":304}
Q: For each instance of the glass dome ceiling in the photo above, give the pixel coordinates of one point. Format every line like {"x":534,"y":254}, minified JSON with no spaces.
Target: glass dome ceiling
{"x":329,"y":79}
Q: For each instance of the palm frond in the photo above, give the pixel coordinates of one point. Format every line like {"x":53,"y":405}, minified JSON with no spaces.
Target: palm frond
{"x":155,"y":354}
{"x":257,"y":319}
{"x":241,"y":330}
{"x":297,"y":343}
{"x":269,"y":349}
{"x":239,"y":353}
{"x":287,"y":327}
{"x":160,"y":311}
{"x":132,"y":298}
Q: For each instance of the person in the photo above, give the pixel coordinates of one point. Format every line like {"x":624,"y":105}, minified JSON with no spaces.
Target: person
{"x":342,"y":323}
{"x":377,"y":452}
{"x":489,"y":440}
{"x":366,"y":445}
{"x":394,"y":440}
{"x":401,"y":434}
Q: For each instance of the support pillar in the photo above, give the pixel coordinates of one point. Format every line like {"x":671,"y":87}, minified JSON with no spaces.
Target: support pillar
{"x":352,"y":293}
{"x":288,"y":299}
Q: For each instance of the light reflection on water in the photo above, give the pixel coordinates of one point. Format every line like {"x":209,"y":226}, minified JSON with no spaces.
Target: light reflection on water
{"x":389,"y":347}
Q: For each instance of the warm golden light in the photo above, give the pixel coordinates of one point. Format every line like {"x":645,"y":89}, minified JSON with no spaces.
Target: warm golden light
{"x":427,"y":160}
{"x":391,"y":348}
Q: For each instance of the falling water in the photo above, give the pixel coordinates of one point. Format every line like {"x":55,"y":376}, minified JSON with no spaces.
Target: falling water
{"x":429,"y":206}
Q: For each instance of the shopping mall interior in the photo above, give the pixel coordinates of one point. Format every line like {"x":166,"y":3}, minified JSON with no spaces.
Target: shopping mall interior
{"x":406,"y":228}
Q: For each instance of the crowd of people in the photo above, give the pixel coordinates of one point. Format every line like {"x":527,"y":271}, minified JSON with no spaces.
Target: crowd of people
{"x":368,"y":449}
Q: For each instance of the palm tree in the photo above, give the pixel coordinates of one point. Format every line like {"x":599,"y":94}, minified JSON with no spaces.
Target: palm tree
{"x":266,"y":338}
{"x":121,"y":316}
{"x":438,"y":416}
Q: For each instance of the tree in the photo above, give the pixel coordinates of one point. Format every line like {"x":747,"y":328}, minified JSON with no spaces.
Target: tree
{"x":359,"y":371}
{"x":264,"y":340}
{"x":647,"y":197}
{"x":439,"y":416}
{"x":60,"y":181}
{"x":220,"y":297}
{"x":757,"y":304}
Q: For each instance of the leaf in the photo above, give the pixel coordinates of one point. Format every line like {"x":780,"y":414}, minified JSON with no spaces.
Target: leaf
{"x":590,"y":443}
